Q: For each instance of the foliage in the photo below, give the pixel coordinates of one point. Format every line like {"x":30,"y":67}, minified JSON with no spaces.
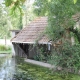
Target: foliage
{"x":13,"y":19}
{"x":19,"y":19}
{"x":40,"y":56}
{"x":20,"y":74}
{"x":34,"y":72}
{"x":41,"y":7}
{"x":16,"y":22}
{"x":4,"y":27}
{"x":41,"y":52}
{"x":60,"y":26}
{"x":28,"y":12}
{"x":7,"y":22}
{"x":15,"y":5}
{"x":4,"y":48}
{"x":59,"y":14}
{"x":75,"y":1}
{"x":62,"y":18}
{"x":21,"y":9}
{"x":67,"y":56}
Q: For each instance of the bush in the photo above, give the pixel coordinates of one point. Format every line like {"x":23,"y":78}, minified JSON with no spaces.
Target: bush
{"x":4,"y":48}
{"x":67,"y":56}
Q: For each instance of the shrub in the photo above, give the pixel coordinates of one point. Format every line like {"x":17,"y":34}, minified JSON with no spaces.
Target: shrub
{"x":67,"y":56}
{"x":4,"y":48}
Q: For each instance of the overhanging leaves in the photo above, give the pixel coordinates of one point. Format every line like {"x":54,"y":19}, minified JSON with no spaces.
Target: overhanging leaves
{"x":75,"y":1}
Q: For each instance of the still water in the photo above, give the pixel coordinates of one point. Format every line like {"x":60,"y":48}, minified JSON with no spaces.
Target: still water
{"x":7,"y":67}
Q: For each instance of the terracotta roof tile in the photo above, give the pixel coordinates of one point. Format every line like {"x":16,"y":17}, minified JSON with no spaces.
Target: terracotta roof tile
{"x":34,"y":31}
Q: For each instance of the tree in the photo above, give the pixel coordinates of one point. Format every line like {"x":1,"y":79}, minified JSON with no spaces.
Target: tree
{"x":75,"y":1}
{"x":20,"y":12}
{"x":7,"y":22}
{"x":60,"y":29}
{"x":60,"y":14}
{"x":15,"y":5}
{"x":4,"y":27}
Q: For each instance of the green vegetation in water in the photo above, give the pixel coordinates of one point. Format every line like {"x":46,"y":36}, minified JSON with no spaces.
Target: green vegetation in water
{"x":33,"y":72}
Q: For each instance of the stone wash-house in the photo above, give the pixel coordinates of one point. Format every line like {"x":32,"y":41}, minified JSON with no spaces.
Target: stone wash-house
{"x":24,"y":41}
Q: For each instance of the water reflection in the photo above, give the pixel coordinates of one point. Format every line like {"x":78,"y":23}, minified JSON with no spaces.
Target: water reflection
{"x":7,"y":67}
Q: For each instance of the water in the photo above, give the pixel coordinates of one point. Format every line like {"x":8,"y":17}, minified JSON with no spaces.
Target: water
{"x":7,"y":67}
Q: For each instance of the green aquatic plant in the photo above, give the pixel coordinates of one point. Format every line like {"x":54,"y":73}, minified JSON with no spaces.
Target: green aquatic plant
{"x":34,"y":72}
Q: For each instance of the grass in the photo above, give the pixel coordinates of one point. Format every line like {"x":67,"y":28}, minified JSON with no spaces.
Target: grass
{"x":5,"y":52}
{"x":5,"y":49}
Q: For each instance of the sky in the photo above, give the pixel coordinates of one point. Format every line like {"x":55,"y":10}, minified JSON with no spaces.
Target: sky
{"x":1,"y":1}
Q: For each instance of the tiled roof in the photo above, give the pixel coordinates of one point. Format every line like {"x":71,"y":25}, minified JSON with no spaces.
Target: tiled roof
{"x":33,"y":32}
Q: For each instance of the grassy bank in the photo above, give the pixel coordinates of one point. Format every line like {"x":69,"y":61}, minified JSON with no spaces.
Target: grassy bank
{"x":5,"y":52}
{"x":5,"y":49}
